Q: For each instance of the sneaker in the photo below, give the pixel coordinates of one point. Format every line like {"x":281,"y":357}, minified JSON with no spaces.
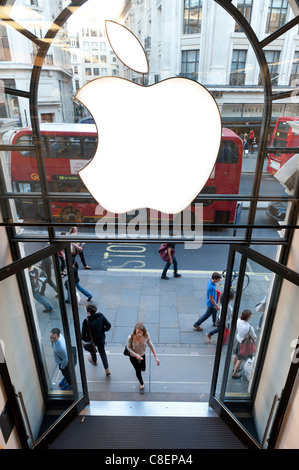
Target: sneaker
{"x":67,"y":302}
{"x":107,"y":371}
{"x":198,"y":328}
{"x":177,"y":275}
{"x":87,"y":267}
{"x":164,"y":277}
{"x":89,"y":298}
{"x":48,"y":310}
{"x":62,"y":382}
{"x":66,"y":387}
{"x":141,"y":390}
{"x":208,"y":336}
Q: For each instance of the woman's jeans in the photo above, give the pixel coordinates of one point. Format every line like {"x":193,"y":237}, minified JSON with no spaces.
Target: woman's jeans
{"x":42,"y":301}
{"x":102,"y":352}
{"x":167,"y":264}
{"x":210,"y":311}
{"x":139,"y":367}
{"x":80,"y":289}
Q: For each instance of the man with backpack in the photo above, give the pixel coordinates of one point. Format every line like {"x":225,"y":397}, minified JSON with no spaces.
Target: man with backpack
{"x":167,"y":251}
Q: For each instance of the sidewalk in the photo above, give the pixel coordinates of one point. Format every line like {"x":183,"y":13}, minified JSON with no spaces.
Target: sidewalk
{"x":168,"y":308}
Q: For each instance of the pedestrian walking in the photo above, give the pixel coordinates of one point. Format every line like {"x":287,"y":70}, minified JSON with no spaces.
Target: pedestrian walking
{"x":34,"y":279}
{"x":77,"y":284}
{"x":244,"y":331}
{"x":211,"y":302}
{"x":77,"y":248}
{"x":228,"y":315}
{"x":171,"y":259}
{"x":136,"y":346}
{"x":46,"y":266}
{"x":96,"y":324}
{"x":60,"y":357}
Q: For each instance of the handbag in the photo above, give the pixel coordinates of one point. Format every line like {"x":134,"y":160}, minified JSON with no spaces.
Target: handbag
{"x":90,"y":345}
{"x":126,"y":352}
{"x":248,"y":346}
{"x":226,"y":335}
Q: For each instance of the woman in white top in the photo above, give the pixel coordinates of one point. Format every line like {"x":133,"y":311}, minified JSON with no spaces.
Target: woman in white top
{"x":243,"y":329}
{"x":136,"y":346}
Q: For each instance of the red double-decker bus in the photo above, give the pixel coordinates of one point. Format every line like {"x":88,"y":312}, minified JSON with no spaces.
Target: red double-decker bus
{"x":68,"y":147}
{"x":283,"y":136}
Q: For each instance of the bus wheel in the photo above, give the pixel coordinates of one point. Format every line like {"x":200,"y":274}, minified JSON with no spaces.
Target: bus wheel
{"x":71,"y":215}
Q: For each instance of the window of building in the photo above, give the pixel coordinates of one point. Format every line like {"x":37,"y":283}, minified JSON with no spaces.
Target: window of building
{"x":102,"y":46}
{"x":75,"y":69}
{"x":103,"y":58}
{"x":85,"y":32}
{"x":104,"y":72}
{"x":192,"y":16}
{"x":237,"y":73}
{"x":277,"y":12}
{"x":93,"y":32}
{"x":245,"y":7}
{"x":96,"y":71}
{"x":95,"y":58}
{"x":77,"y":84}
{"x":94,"y":45}
{"x":4,"y":44}
{"x":190,"y":60}
{"x":87,"y":71}
{"x":295,"y":68}
{"x":273,"y":58}
{"x":87,"y":59}
{"x":86,"y":45}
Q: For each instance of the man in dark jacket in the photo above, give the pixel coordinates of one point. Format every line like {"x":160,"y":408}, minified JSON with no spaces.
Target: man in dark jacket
{"x":98,"y":326}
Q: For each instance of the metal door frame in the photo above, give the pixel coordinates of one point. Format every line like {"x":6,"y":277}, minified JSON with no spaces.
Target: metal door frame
{"x":221,"y":409}
{"x":75,"y":405}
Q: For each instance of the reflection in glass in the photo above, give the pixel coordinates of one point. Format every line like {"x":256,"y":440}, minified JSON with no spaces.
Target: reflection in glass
{"x":264,"y":291}
{"x":44,"y":294}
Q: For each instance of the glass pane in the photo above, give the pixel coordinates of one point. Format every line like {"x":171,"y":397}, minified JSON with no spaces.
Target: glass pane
{"x":238,"y":369}
{"x":15,"y":49}
{"x":281,"y":170}
{"x":45,"y":303}
{"x":20,"y":167}
{"x":28,"y":211}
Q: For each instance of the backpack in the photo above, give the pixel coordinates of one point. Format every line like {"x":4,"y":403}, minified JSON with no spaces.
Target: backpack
{"x":163,"y":251}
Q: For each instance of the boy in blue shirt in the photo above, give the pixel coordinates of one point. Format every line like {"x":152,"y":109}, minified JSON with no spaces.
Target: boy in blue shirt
{"x":211,"y":302}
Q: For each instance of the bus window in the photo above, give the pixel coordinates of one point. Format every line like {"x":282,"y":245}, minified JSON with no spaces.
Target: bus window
{"x":64,"y":147}
{"x":228,"y":152}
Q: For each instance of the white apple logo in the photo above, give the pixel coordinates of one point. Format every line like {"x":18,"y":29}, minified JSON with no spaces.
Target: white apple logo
{"x":157,"y":144}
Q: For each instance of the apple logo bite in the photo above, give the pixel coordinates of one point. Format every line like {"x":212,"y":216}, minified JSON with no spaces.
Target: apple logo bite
{"x":157,"y":144}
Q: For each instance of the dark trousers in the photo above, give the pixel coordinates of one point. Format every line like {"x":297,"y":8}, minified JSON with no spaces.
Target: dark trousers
{"x":82,"y":257}
{"x":102,"y":352}
{"x":139,"y":367}
{"x":50,"y":282}
{"x":66,"y":374}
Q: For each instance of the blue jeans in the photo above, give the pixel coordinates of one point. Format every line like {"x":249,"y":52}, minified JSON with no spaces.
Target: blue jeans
{"x":81,"y":289}
{"x":167,"y":264}
{"x":210,"y":311}
{"x":42,"y":301}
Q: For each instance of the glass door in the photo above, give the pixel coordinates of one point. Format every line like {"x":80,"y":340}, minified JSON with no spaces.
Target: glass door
{"x":41,"y":342}
{"x":249,"y":389}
